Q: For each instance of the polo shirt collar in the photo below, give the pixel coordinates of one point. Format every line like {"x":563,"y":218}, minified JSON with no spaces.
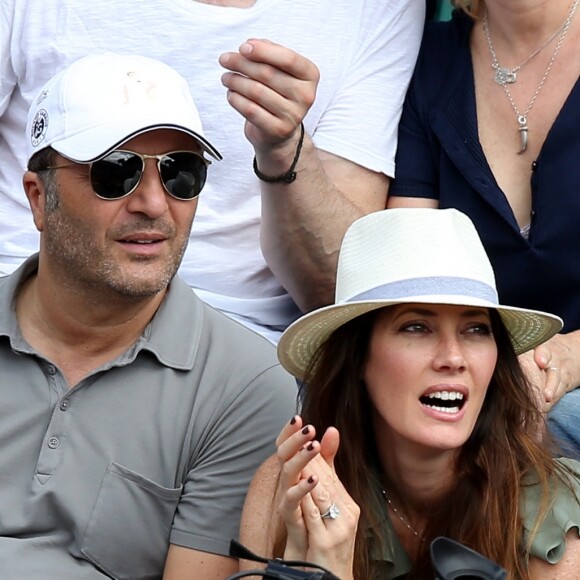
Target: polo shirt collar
{"x":173,"y":334}
{"x":8,"y":288}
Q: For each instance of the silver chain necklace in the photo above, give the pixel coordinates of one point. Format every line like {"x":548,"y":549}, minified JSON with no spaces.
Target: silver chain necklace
{"x":504,"y":76}
{"x":400,"y":516}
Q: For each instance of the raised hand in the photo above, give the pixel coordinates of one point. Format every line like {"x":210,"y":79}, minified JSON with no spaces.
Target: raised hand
{"x":321,"y":518}
{"x":554,"y":367}
{"x":272,"y":87}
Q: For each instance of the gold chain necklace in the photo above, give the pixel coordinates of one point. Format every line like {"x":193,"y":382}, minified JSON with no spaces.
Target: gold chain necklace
{"x":504,"y":76}
{"x":400,"y":516}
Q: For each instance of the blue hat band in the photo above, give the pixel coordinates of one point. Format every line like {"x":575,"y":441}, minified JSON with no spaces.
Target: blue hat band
{"x":430,"y":286}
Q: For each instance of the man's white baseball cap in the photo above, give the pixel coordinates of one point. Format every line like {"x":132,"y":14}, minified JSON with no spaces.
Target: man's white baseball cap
{"x":102,"y":101}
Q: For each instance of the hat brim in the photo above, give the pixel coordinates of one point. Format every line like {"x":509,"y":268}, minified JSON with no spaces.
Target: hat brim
{"x":86,"y":146}
{"x":301,"y":340}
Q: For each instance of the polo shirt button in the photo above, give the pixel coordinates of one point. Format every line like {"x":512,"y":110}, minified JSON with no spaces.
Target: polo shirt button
{"x":51,"y":370}
{"x":64,"y":405}
{"x":53,"y":442}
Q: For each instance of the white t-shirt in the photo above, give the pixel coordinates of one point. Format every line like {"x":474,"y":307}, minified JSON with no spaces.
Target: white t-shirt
{"x":365,"y":50}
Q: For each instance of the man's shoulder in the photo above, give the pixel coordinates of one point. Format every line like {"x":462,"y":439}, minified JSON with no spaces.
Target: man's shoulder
{"x":218,"y":326}
{"x":213,"y":327}
{"x":208,"y":322}
{"x":242,"y":362}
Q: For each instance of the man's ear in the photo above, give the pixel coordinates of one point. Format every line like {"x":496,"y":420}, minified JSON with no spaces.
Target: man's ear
{"x":36,"y":197}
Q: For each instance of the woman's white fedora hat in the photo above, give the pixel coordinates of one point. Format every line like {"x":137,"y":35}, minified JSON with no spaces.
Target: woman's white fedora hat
{"x":395,"y":256}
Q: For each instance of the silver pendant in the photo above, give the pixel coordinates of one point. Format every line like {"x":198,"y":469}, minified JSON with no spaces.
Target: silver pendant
{"x":523,"y":129}
{"x":503,"y":76}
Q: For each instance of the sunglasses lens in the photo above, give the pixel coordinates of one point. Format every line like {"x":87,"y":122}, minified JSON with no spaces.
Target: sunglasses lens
{"x":116,"y":175}
{"x":183,"y":174}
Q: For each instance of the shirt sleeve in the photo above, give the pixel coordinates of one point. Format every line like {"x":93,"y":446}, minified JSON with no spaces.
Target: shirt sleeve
{"x":549,"y":543}
{"x":239,"y":436}
{"x":417,"y":174}
{"x":419,"y":148}
{"x":7,"y":74}
{"x":360,"y":123}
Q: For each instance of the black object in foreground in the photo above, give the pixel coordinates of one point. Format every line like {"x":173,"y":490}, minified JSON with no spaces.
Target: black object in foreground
{"x":278,"y":569}
{"x":454,"y":561}
{"x":451,"y":561}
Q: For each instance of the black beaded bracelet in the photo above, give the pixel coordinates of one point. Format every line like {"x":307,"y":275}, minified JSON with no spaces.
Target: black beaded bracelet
{"x":290,"y":175}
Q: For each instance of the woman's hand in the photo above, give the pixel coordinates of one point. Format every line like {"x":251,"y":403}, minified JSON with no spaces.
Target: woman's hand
{"x":554,"y":367}
{"x":309,"y":486}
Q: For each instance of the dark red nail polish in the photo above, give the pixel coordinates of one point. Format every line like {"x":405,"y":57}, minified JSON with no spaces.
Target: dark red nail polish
{"x":293,"y":420}
{"x":310,"y":447}
{"x":311,"y":479}
{"x":305,"y":430}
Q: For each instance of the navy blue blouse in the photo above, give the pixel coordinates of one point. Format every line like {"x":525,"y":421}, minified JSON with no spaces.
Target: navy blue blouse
{"x":440,"y":157}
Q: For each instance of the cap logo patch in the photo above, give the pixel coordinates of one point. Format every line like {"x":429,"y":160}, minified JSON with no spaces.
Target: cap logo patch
{"x":39,"y":127}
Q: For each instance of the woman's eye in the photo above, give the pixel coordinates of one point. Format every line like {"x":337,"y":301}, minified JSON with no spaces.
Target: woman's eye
{"x":414,"y":327}
{"x":482,"y":329}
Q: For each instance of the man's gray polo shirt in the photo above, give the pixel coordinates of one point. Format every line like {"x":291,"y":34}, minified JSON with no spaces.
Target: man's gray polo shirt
{"x":158,"y":446}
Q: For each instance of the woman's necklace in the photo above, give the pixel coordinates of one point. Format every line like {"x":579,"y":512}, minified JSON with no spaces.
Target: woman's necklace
{"x":504,"y":76}
{"x":400,"y":516}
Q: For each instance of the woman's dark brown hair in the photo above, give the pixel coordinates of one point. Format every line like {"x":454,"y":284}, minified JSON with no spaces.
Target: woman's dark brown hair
{"x":502,"y":454}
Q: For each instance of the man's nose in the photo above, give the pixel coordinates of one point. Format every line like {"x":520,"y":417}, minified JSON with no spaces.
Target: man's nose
{"x":150,"y":197}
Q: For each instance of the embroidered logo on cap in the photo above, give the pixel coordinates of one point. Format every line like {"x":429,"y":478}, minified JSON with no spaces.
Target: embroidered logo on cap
{"x":39,"y":127}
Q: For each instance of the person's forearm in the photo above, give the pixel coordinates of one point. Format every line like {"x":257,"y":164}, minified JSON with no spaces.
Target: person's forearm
{"x":303,"y":222}
{"x":304,"y":217}
{"x":573,"y":348}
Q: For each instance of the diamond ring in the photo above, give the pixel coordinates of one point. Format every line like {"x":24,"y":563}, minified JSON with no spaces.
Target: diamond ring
{"x":331,"y":513}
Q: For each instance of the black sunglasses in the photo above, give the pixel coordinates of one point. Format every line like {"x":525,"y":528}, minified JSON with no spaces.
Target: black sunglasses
{"x":117,"y":174}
